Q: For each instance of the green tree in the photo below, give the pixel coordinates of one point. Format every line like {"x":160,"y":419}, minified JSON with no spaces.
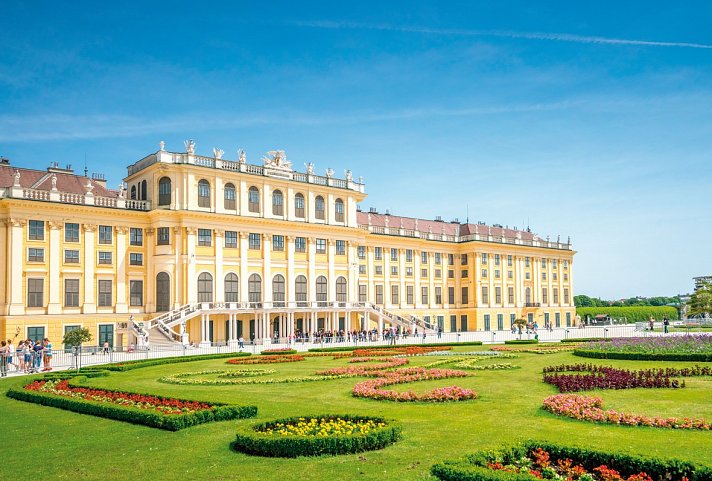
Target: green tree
{"x":76,"y":337}
{"x":701,"y":301}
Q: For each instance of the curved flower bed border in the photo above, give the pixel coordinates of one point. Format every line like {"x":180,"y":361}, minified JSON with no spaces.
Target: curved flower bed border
{"x":397,"y":351}
{"x":149,"y":410}
{"x":224,"y":377}
{"x":284,"y":351}
{"x":256,"y":440}
{"x":588,"y":408}
{"x":668,"y":348}
{"x":365,"y":369}
{"x":535,"y":350}
{"x":275,"y":359}
{"x":372,"y":388}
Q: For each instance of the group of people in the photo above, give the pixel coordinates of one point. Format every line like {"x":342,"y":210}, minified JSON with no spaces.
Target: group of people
{"x":390,"y":334}
{"x":26,"y":357}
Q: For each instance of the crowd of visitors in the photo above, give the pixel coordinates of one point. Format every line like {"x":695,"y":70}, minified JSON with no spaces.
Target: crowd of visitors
{"x":323,"y":336}
{"x":27,"y":356}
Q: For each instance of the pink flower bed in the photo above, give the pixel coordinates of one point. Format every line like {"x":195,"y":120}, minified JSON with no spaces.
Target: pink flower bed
{"x":365,"y":370}
{"x":372,"y":388}
{"x":588,"y":408}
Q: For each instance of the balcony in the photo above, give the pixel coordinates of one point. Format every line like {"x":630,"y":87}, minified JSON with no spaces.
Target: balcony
{"x":532,"y":304}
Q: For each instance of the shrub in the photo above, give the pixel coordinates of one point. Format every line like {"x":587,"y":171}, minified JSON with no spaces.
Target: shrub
{"x":632,"y":313}
{"x":254,"y":440}
{"x":588,"y":339}
{"x":642,"y":356}
{"x":278,"y":352}
{"x":522,"y":341}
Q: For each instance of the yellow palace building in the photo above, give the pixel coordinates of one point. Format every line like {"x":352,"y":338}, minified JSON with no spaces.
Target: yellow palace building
{"x":198,"y":249}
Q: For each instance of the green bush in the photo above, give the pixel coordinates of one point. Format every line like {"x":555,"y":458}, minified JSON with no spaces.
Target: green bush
{"x":172,"y":422}
{"x":632,"y":314}
{"x":473,"y":467}
{"x":522,"y":341}
{"x":366,"y":346}
{"x":642,"y":356}
{"x":278,"y":352}
{"x":588,"y":339}
{"x":249,"y":441}
{"x":139,"y":363}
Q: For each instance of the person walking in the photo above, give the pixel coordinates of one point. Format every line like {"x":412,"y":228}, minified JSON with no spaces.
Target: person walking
{"x":47,"y":355}
{"x":3,"y":359}
{"x":666,"y":324}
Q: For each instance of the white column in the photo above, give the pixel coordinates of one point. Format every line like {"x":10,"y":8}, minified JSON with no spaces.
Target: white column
{"x":219,"y":277}
{"x":244,"y":246}
{"x":204,"y":331}
{"x":150,"y":283}
{"x":16,"y":255}
{"x":402,"y":295}
{"x":331,"y":251}
{"x":191,"y":279}
{"x":371,"y":296}
{"x":311,"y":269}
{"x":267,"y":268}
{"x":352,"y":263}
{"x":121,"y":254}
{"x":290,"y":288}
{"x":386,"y":278}
{"x":89,"y":266}
{"x":178,"y":293}
{"x":55,"y":288}
{"x":416,"y":282}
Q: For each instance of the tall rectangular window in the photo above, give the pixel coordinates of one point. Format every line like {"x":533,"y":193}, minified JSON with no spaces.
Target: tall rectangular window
{"x":498,"y":295}
{"x":106,"y":334}
{"x":465,"y":295}
{"x":487,"y":322}
{"x":409,"y":271}
{"x":394,"y":270}
{"x":556,"y":295}
{"x":106,"y":233}
{"x":485,"y":295}
{"x":451,"y":295}
{"x":230,"y":239}
{"x":205,"y":237}
{"x":566,"y":296}
{"x":450,"y":274}
{"x":378,"y":253}
{"x":136,"y":290}
{"x":423,"y":257}
{"x":554,"y":263}
{"x":36,"y":230}
{"x":135,"y":259}
{"x":105,"y":293}
{"x":35,"y":292}
{"x":463,"y":259}
{"x":362,"y":293}
{"x":255,"y":241}
{"x":105,"y":258}
{"x":71,"y":232}
{"x":450,"y":259}
{"x":35,"y":255}
{"x":544,"y":295}
{"x":321,"y":246}
{"x":557,"y":319}
{"x":71,"y":256}
{"x":409,"y":295}
{"x":509,"y":261}
{"x":136,"y":236}
{"x":394,"y":294}
{"x":543,"y":262}
{"x":526,"y":262}
{"x":512,"y":318}
{"x":300,"y":244}
{"x":340,"y":248}
{"x":496,"y":259}
{"x":568,"y":319}
{"x":464,"y":273}
{"x":453,"y":323}
{"x":500,"y":322}
{"x":463,"y":323}
{"x":438,"y":273}
{"x":424,"y":272}
{"x":361,"y":251}
{"x":71,"y":292}
{"x":409,"y":255}
{"x":163,"y":236}
{"x":277,"y":242}
{"x":394,"y":254}
{"x":484,"y":258}
{"x":438,"y":295}
{"x":438,"y":258}
{"x":423,"y":295}
{"x":510,"y":295}
{"x":379,"y":294}
{"x":362,"y":269}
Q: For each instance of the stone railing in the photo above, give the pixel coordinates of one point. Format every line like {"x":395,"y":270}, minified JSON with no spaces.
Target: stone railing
{"x":88,"y":198}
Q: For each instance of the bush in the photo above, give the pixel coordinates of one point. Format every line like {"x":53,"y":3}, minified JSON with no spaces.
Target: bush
{"x":644,"y":356}
{"x":139,"y":363}
{"x":366,"y":346}
{"x":522,"y":341}
{"x":632,"y":314}
{"x":588,"y":339}
{"x":172,"y":422}
{"x":250,"y":441}
{"x":278,"y":352}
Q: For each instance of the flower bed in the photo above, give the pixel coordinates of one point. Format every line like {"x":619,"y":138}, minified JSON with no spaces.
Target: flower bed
{"x":316,"y":436}
{"x":427,"y":344}
{"x":364,"y":370}
{"x":276,"y":359}
{"x":149,"y":410}
{"x":535,"y":460}
{"x":223,"y":377}
{"x":278,"y":352}
{"x":522,"y":341}
{"x":587,"y":408}
{"x":606,"y":377}
{"x":535,"y":350}
{"x":372,"y":388}
{"x":398,"y":351}
{"x":664,"y":348}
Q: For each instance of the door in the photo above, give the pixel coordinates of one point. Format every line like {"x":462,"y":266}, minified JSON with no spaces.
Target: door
{"x":163,"y":292}
{"x":210,"y":331}
{"x":106,"y":334}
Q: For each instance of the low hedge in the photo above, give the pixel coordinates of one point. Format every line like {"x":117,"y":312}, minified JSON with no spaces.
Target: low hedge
{"x":588,"y":339}
{"x":278,"y":352}
{"x":172,"y":422}
{"x":249,"y":441}
{"x":473,"y":467}
{"x":522,"y":341}
{"x":391,"y":346}
{"x":642,"y":356}
{"x":631,"y":313}
{"x":139,"y":363}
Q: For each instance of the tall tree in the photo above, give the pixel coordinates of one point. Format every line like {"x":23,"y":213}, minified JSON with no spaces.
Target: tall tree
{"x":701,"y":301}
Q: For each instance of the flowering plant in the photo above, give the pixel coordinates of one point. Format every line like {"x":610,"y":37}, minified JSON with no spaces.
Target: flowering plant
{"x":267,"y":359}
{"x":321,"y":426}
{"x":687,"y":344}
{"x":372,"y":388}
{"x":407,"y":351}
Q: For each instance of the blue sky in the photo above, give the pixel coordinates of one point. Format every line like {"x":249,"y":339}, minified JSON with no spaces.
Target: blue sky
{"x":585,"y":120}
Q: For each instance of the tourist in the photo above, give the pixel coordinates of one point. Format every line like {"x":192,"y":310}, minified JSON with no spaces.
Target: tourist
{"x":10,"y":355}
{"x":3,"y":359}
{"x":514,"y":328}
{"x":666,"y":324}
{"x":651,"y":323}
{"x":47,"y":359}
{"x":37,"y":350}
{"x":105,"y":348}
{"x":241,"y":343}
{"x":27,"y":355}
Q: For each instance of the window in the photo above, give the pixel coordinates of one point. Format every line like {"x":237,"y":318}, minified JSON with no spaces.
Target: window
{"x":340,"y":248}
{"x":510,"y":274}
{"x":566,"y":264}
{"x":136,"y":259}
{"x":451,"y":295}
{"x":163,"y":292}
{"x":339,"y":210}
{"x":105,"y":293}
{"x":546,"y":319}
{"x":106,"y":334}
{"x":378,"y":253}
{"x":133,"y":192}
{"x":301,"y":290}
{"x":556,"y":295}
{"x":554,"y":276}
{"x":394,"y":254}
{"x":136,"y":293}
{"x":319,"y":207}
{"x":527,"y":275}
{"x":544,"y":295}
{"x":341,"y":289}
{"x":379,"y":270}
{"x":409,"y":255}
{"x":450,"y":274}
{"x":35,"y":255}
{"x":36,"y":230}
{"x":144,"y":190}
{"x":450,"y":259}
{"x":136,"y":236}
{"x":379,"y":294}
{"x":203,"y":193}
{"x":164,"y":236}
{"x":164,"y":191}
{"x":35,"y":292}
{"x":528,"y":296}
{"x":487,"y":322}
{"x":438,"y":258}
{"x":497,"y":273}
{"x":71,"y":232}
{"x":230,"y":239}
{"x":277,"y":242}
{"x":278,"y":290}
{"x":463,"y":259}
{"x":105,"y":258}
{"x":409,"y":272}
{"x":205,"y":237}
{"x":232,"y":288}
{"x":254,"y":241}
{"x":557,"y":319}
{"x":484,"y":272}
{"x":554,"y":263}
{"x":423,"y":295}
{"x":500,"y":322}
{"x":509,"y":261}
{"x":498,"y":295}
{"x":526,"y":262}
{"x":566,"y":276}
{"x":300,"y":244}
{"x":253,"y":199}
{"x":105,"y":234}
{"x":484,"y":258}
{"x":409,"y":295}
{"x":465,"y":295}
{"x":512,"y":318}
{"x":205,"y":287}
{"x":362,"y":269}
{"x":321,"y":246}
{"x":566,"y":296}
{"x":424,"y":272}
{"x":71,"y":256}
{"x":568,"y":319}
{"x":485,"y":295}
{"x":362,"y":293}
{"x":322,"y":290}
{"x":299,"y":206}
{"x":277,"y":203}
{"x":71,"y":292}
{"x":510,"y":295}
{"x":394,"y":294}
{"x":543,"y":262}
{"x":361,"y":252}
{"x":438,"y":273}
{"x":423,"y":257}
{"x":464,"y":273}
{"x":229,"y":197}
{"x":496,"y":259}
{"x":543,"y":276}
{"x":394,"y":270}
{"x":438,"y":295}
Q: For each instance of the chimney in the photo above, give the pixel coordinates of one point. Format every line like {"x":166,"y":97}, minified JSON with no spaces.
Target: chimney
{"x":99,"y":179}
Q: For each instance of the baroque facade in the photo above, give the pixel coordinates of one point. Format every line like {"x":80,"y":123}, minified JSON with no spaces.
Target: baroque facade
{"x":200,"y":249}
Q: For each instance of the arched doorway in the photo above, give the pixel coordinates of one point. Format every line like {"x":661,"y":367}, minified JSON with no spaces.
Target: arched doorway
{"x":163,"y":292}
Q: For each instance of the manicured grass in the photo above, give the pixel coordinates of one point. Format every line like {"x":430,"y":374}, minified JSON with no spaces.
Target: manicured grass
{"x":75,"y":446}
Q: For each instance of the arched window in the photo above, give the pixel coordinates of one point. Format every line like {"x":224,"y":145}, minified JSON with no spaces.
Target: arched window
{"x":254,"y":286}
{"x":528,"y":295}
{"x":278,"y":290}
{"x":164,"y":191}
{"x":299,"y":206}
{"x":205,"y":287}
{"x":277,"y":203}
{"x":133,"y":192}
{"x":253,"y":199}
{"x":232,"y":288}
{"x":144,"y":190}
{"x":341,"y":289}
{"x":229,"y":191}
{"x":163,"y":292}
{"x":322,"y":291}
{"x":204,"y":193}
{"x":339,"y":210}
{"x":319,"y":207}
{"x":301,"y":291}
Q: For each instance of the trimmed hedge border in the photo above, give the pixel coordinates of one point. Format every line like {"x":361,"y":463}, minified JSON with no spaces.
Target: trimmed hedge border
{"x":249,"y":441}
{"x":139,"y":363}
{"x":173,"y":422}
{"x":473,"y":467}
{"x":278,"y":352}
{"x":522,"y":341}
{"x":642,"y":356}
{"x":366,"y":346}
{"x":588,"y":339}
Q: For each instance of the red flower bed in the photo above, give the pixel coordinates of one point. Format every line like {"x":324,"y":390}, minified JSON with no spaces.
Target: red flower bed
{"x":267,"y":359}
{"x":372,"y":387}
{"x":365,"y":370}
{"x":397,"y":351}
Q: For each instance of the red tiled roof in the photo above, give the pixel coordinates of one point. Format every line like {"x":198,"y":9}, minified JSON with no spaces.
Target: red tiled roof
{"x":42,"y":180}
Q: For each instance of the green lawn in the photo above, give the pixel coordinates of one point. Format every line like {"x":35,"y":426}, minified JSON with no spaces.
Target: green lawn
{"x":65,"y":445}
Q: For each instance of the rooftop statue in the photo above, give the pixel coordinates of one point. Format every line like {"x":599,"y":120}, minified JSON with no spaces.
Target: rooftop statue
{"x":17,"y":179}
{"x":162,"y":145}
{"x":277,"y":159}
{"x":310,"y":168}
{"x":189,"y":146}
{"x":218,"y":153}
{"x":241,"y":156}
